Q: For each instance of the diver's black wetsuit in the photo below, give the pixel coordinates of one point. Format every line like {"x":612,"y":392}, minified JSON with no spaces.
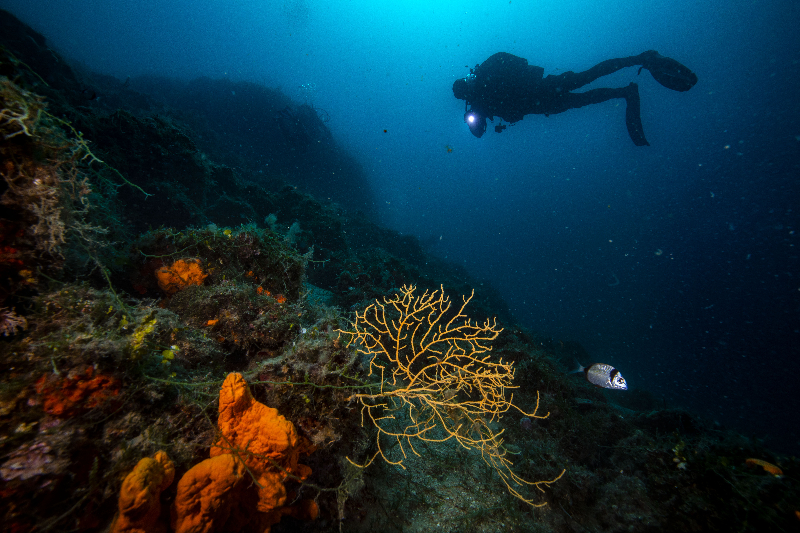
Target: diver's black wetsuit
{"x":506,"y":86}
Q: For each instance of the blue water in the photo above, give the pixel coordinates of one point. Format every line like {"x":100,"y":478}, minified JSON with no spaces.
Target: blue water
{"x":699,"y":229}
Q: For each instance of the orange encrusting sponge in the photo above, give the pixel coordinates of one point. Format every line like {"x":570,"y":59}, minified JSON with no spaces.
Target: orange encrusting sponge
{"x":769,"y":467}
{"x":182,"y":274}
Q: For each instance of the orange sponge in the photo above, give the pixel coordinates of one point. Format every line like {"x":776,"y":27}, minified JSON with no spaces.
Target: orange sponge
{"x":268,"y":438}
{"x":139,"y":499}
{"x":256,"y":444}
{"x":246,"y":424}
{"x":182,"y":274}
{"x":212,"y":496}
{"x":76,"y":393}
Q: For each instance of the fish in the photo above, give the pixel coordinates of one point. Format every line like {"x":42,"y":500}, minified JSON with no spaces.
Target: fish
{"x":603,"y":376}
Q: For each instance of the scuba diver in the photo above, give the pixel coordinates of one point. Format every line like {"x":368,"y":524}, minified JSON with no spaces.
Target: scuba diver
{"x":505,"y":86}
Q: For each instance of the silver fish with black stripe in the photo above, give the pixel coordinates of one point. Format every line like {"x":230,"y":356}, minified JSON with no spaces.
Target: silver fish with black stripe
{"x":603,"y":375}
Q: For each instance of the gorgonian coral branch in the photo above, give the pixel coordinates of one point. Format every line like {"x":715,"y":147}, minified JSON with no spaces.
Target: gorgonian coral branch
{"x":438,"y":379}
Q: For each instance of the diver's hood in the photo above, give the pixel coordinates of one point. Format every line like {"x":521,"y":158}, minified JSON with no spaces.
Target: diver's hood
{"x":461,"y":89}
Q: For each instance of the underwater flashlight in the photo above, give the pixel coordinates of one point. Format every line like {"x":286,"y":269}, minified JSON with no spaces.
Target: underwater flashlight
{"x":476,"y":123}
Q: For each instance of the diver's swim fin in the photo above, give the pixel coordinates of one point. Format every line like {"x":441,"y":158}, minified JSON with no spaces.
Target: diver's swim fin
{"x":668,"y":72}
{"x":633,"y":116}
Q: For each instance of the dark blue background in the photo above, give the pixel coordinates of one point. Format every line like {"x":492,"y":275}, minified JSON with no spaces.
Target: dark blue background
{"x":699,"y":229}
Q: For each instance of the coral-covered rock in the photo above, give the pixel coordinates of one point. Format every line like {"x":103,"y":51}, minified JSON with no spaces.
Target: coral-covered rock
{"x":182,"y":274}
{"x":30,"y":461}
{"x":139,"y":498}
